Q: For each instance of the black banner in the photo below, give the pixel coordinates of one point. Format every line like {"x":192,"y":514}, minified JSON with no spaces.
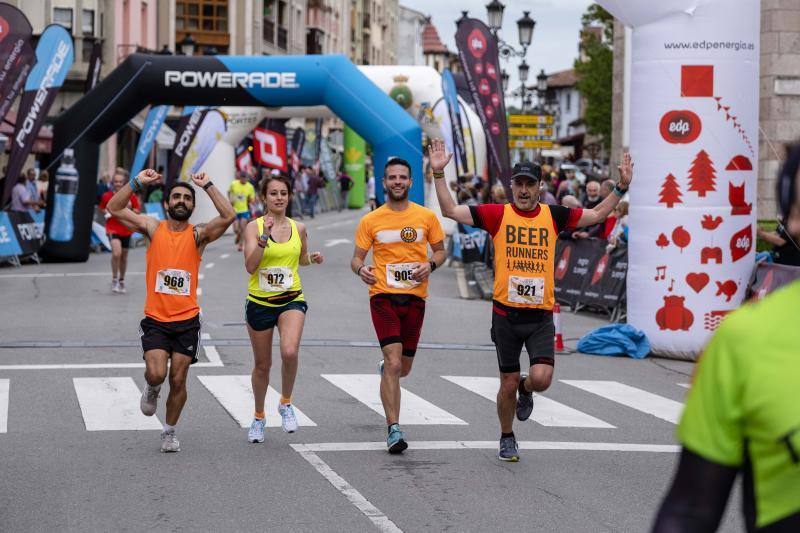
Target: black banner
{"x":95,"y":64}
{"x":477,"y":50}
{"x":586,"y":274}
{"x":17,"y":54}
{"x":184,"y":135}
{"x":29,"y":233}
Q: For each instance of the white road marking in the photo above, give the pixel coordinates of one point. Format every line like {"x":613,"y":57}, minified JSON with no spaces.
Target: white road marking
{"x":334,"y":242}
{"x":4,"y":390}
{"x":211,"y":351}
{"x":685,"y":385}
{"x":413,"y":409}
{"x":235,"y":394}
{"x":375,"y":515}
{"x":224,"y":256}
{"x":112,"y":404}
{"x":491,"y":445}
{"x":638,"y":399}
{"x":337,"y":224}
{"x":94,"y":366}
{"x":65,"y":275}
{"x":201,"y":276}
{"x":545,"y":411}
{"x":210,"y":265}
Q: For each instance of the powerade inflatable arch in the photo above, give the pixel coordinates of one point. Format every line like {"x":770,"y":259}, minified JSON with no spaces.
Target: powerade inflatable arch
{"x":143,"y":80}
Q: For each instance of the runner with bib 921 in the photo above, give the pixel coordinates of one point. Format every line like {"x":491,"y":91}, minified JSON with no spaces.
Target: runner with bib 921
{"x":171,"y":326}
{"x":274,"y":247}
{"x":524,"y":235}
{"x":399,"y":233}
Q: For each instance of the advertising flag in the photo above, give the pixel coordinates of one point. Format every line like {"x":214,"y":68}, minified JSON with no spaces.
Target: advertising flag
{"x":16,"y":54}
{"x":208,"y":133}
{"x":190,"y":121}
{"x":269,"y":146}
{"x":152,"y":125}
{"x":454,"y":111}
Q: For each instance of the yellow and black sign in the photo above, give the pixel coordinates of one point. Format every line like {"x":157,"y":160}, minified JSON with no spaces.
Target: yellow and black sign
{"x":530,"y":144}
{"x":530,"y":119}
{"x":530,"y":132}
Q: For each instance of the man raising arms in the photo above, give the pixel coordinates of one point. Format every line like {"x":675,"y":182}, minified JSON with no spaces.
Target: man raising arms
{"x":171,"y":326}
{"x":524,"y":235}
{"x":399,"y":233}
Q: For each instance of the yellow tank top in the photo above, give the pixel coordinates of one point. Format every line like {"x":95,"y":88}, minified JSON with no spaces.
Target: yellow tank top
{"x":276,"y":282}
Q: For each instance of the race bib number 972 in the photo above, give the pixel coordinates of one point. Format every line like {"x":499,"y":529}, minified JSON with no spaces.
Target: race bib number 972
{"x":174,"y":282}
{"x":275,"y":279}
{"x":398,"y":275}
{"x":526,"y":290}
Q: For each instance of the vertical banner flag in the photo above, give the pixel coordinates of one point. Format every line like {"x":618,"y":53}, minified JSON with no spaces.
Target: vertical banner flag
{"x":208,"y":133}
{"x":296,"y":149}
{"x":269,"y":145}
{"x":152,"y":125}
{"x":355,"y":151}
{"x":190,"y":121}
{"x":477,"y":50}
{"x":244,"y":161}
{"x":451,"y":100}
{"x":95,"y":65}
{"x":54,"y":57}
{"x":16,"y":54}
{"x":694,"y":139}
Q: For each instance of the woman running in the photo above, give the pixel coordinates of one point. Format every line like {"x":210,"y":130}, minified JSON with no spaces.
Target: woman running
{"x":274,"y":247}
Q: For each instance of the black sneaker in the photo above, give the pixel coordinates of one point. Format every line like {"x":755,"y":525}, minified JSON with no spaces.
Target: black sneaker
{"x":524,"y":400}
{"x":508,"y":450}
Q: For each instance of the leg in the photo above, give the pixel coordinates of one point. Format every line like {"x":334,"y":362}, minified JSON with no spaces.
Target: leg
{"x":155,"y":362}
{"x":390,"y":381}
{"x":509,"y":348}
{"x":411,"y":319}
{"x":262,"y":361}
{"x":540,"y":377}
{"x":116,"y":254}
{"x":290,"y":327}
{"x":178,"y":371}
{"x":123,"y":263}
{"x":507,"y":400}
{"x":539,"y":344}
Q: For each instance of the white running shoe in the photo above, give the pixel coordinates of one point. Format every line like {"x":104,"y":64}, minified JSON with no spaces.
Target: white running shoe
{"x":169,"y":442}
{"x":121,"y":287}
{"x":149,"y":401}
{"x":288,"y":419}
{"x":114,"y":286}
{"x":256,"y":433}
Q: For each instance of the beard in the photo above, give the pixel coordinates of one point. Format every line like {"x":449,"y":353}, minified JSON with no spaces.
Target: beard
{"x":182,"y":215}
{"x":397,"y":196}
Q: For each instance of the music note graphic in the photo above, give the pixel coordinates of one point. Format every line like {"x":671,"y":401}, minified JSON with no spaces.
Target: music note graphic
{"x":671,"y":285}
{"x":661,"y":272}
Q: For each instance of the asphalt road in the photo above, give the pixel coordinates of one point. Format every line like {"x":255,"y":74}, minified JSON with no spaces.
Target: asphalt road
{"x":76,"y":456}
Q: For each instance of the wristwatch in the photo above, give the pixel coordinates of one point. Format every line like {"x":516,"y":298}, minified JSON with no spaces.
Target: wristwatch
{"x":433,"y":265}
{"x":263,"y":240}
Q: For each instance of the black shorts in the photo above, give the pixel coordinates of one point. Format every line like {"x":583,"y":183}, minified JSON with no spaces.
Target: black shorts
{"x":262,"y":317}
{"x":124,"y":241}
{"x":398,"y":319}
{"x":511,"y":329}
{"x":181,"y":337}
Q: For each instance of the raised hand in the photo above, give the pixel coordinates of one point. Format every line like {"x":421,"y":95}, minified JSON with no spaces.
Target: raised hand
{"x":438,"y":156}
{"x":200,"y":179}
{"x":625,"y":171}
{"x":148,"y":176}
{"x":268,"y":223}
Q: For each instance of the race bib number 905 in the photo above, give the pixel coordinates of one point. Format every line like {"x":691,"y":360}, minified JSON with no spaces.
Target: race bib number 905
{"x":398,"y":275}
{"x":174,"y":282}
{"x":526,"y":290}
{"x":275,"y":279}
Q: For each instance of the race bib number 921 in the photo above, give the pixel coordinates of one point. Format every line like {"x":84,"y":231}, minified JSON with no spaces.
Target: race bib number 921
{"x":528,"y":291}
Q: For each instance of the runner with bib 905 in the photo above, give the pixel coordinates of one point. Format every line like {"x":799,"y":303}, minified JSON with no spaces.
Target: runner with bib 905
{"x":274,"y":247}
{"x":171,"y":326}
{"x":524,"y":235}
{"x":398,"y":233}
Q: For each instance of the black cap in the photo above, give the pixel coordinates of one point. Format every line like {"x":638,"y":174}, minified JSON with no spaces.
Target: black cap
{"x":526,"y":169}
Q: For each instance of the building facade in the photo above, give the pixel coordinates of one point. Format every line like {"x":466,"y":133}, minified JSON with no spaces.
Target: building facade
{"x":410,"y":26}
{"x":436,"y":53}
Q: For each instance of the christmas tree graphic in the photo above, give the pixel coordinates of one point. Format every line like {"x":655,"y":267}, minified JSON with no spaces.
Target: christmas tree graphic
{"x":670,"y":192}
{"x":702,"y":176}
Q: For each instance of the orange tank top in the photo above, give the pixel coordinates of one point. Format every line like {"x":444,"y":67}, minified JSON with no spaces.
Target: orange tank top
{"x":524,"y":255}
{"x":173,"y":262}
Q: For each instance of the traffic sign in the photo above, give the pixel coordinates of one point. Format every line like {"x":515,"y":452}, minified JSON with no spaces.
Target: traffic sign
{"x":530,"y":119}
{"x":530,"y":144}
{"x":530,"y":132}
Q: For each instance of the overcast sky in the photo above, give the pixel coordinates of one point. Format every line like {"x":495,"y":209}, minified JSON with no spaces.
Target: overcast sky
{"x":555,"y":37}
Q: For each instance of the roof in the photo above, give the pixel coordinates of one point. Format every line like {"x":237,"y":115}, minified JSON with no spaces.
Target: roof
{"x":564,"y":78}
{"x":431,"y":43}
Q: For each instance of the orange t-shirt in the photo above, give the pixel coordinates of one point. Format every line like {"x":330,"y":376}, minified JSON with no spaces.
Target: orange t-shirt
{"x":399,"y":241}
{"x":173,"y":262}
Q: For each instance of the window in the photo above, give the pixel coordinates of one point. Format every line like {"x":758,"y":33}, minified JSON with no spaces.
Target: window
{"x":203,"y":15}
{"x":86,"y":50}
{"x":63,"y":16}
{"x":568,"y":103}
{"x":87,"y":25}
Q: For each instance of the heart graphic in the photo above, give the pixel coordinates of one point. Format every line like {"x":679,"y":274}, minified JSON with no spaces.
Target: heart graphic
{"x":697,"y":280}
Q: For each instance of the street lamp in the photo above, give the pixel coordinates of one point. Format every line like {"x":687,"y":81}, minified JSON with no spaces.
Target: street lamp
{"x":504,"y":76}
{"x":541,"y":82}
{"x":523,"y":71}
{"x":525,"y":26}
{"x":187,"y":45}
{"x":494,"y":10}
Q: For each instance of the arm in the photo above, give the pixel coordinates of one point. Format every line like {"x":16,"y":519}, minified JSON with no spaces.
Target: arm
{"x":438,"y":160}
{"x":216,"y":227}
{"x":424,"y":270}
{"x":118,"y":205}
{"x":305,"y":257}
{"x":771,"y":237}
{"x":253,"y":246}
{"x":364,"y":271}
{"x":601,"y":211}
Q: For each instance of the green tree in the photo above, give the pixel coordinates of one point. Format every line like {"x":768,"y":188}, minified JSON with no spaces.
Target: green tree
{"x":594,"y":71}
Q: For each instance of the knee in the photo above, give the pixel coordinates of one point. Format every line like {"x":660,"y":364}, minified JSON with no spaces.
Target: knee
{"x":508,"y":385}
{"x":116,"y":254}
{"x":289,"y":355}
{"x":177,"y":382}
{"x":542,"y":379}
{"x":261,"y":368}
{"x":154,"y":377}
{"x":393,"y":367}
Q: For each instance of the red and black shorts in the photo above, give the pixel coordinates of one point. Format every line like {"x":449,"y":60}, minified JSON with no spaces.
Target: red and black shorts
{"x":398,"y":319}
{"x":125,"y":240}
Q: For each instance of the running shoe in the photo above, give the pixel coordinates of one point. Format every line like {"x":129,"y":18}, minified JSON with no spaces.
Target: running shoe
{"x":169,"y":442}
{"x":149,"y":400}
{"x":524,"y":400}
{"x":395,"y":441}
{"x":288,"y":418}
{"x":256,"y":433}
{"x":114,"y":286}
{"x":121,"y":287}
{"x":508,"y":450}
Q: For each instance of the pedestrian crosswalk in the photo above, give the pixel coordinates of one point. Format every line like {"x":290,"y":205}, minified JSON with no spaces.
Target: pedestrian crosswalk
{"x":112,"y":403}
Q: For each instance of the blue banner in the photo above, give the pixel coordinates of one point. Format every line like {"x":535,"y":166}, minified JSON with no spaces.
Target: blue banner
{"x":453,"y":109}
{"x":9,"y":245}
{"x":152,"y":124}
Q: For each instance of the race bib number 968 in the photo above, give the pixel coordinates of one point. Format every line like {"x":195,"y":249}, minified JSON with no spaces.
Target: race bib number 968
{"x":398,"y":275}
{"x":526,"y":290}
{"x":174,"y":282}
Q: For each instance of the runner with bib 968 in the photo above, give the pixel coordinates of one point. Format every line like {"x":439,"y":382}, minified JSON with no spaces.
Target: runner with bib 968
{"x":524,"y":235}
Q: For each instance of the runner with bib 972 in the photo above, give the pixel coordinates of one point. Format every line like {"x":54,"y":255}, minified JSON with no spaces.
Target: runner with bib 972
{"x":399,"y":233}
{"x":171,"y":326}
{"x":274,"y":247}
{"x":524,"y":235}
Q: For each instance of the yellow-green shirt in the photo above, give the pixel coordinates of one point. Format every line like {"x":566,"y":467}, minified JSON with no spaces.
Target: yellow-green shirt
{"x":241,"y":194}
{"x":278,"y":271}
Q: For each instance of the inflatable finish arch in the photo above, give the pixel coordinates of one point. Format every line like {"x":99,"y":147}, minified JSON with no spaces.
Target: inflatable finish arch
{"x":224,"y":80}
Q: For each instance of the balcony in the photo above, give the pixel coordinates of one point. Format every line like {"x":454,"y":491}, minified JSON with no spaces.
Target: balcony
{"x":367,"y":22}
{"x":314,"y":41}
{"x":269,"y":31}
{"x":282,"y":37}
